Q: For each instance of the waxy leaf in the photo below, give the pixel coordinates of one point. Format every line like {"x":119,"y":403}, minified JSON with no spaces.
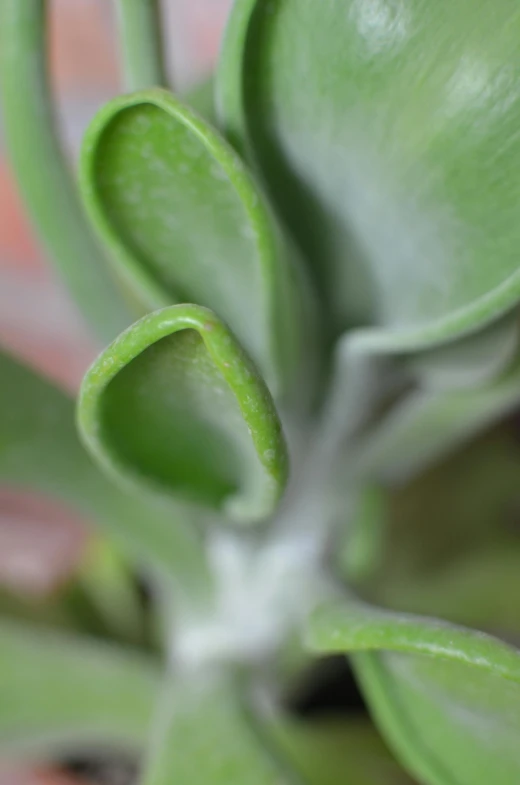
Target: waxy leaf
{"x":205,"y":733}
{"x":176,"y":405}
{"x":61,"y":694}
{"x":40,"y":450}
{"x":386,"y":131}
{"x":425,"y":426}
{"x":185,"y":222}
{"x":469,"y":362}
{"x":42,"y":172}
{"x":445,"y":697}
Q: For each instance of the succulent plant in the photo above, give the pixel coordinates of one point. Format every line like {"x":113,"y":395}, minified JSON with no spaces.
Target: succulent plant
{"x":305,"y":276}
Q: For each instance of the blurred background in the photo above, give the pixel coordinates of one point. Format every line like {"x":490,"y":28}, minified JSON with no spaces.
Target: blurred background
{"x":40,"y":545}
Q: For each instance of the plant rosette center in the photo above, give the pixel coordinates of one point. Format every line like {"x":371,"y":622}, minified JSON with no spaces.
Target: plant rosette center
{"x":261,"y":595}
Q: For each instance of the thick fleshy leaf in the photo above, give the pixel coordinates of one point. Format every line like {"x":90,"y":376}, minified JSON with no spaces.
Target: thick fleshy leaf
{"x":60,"y":694}
{"x":469,"y":362}
{"x":386,"y":132}
{"x":445,"y":697}
{"x":40,"y":450}
{"x":185,"y":222}
{"x":141,"y":44}
{"x":427,"y":425}
{"x":175,"y":405}
{"x":204,"y":733}
{"x":42,"y":171}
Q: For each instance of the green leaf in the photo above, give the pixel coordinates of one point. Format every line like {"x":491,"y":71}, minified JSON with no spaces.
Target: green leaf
{"x":40,"y":450}
{"x":472,"y":361}
{"x":175,"y":405}
{"x":201,"y":98}
{"x":185,"y":222}
{"x":141,"y":44}
{"x":61,"y":694}
{"x":446,"y":544}
{"x":204,"y":733}
{"x":111,"y":589}
{"x":427,"y":425}
{"x":386,"y":134}
{"x":445,"y":697}
{"x":42,"y":173}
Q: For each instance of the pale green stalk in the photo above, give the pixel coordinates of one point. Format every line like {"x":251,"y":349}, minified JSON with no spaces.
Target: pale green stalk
{"x":41,"y":170}
{"x":141,"y":44}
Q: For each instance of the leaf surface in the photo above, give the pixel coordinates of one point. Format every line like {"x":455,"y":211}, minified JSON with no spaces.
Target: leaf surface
{"x":185,"y":222}
{"x":60,"y":694}
{"x":385,"y":130}
{"x":40,"y":450}
{"x":175,"y":405}
{"x":445,"y":697}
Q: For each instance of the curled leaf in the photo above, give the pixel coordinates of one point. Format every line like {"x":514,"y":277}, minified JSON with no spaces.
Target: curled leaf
{"x":175,"y":404}
{"x":445,"y":697}
{"x":185,"y":222}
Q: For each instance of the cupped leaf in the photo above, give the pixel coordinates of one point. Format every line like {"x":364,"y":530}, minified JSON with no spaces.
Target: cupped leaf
{"x":185,"y":222}
{"x":40,"y":450}
{"x":60,"y":694}
{"x":205,"y":733}
{"x":385,"y":130}
{"x":176,"y":405}
{"x":445,"y":697}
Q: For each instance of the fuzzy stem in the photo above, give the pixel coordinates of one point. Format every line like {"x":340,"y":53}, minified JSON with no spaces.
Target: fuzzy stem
{"x":204,"y":734}
{"x":141,"y":44}
{"x":40,"y":167}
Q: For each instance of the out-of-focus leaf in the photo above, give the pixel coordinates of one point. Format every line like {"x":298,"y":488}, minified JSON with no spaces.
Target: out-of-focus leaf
{"x":337,"y":752}
{"x":445,"y":697}
{"x":425,"y":426}
{"x":174,"y":404}
{"x":42,"y":172}
{"x":40,"y":450}
{"x":141,"y":44}
{"x":385,"y":131}
{"x":468,"y":362}
{"x":111,"y":589}
{"x":201,"y":98}
{"x":203,"y":733}
{"x":185,"y":222}
{"x":447,"y":543}
{"x":60,"y":694}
